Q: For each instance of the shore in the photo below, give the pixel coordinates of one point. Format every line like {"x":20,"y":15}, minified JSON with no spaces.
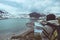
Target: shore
{"x":7,"y":36}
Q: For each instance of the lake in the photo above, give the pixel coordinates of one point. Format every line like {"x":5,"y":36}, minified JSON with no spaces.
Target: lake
{"x":9,"y":26}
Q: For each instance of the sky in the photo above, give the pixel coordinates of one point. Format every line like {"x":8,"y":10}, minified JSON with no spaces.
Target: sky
{"x":26,"y":6}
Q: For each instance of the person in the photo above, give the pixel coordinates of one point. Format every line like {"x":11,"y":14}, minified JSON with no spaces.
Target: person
{"x":51,"y":18}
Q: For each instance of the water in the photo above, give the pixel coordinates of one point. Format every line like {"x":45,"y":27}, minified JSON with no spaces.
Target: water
{"x":13,"y":25}
{"x":9,"y":26}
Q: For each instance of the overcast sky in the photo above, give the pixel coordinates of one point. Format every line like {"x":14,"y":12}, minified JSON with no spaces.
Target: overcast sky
{"x":26,"y":6}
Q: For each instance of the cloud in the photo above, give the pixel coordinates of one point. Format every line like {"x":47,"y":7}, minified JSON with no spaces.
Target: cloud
{"x":35,"y":5}
{"x":18,"y":1}
{"x":53,"y":9}
{"x":8,"y":8}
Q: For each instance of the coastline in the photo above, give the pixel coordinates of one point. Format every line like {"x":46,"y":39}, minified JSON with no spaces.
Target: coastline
{"x":8,"y":35}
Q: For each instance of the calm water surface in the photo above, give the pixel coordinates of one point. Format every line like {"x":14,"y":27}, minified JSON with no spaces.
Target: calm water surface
{"x":13,"y":25}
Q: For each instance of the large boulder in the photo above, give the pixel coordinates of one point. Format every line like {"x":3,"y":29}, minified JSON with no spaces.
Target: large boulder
{"x":34,"y":14}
